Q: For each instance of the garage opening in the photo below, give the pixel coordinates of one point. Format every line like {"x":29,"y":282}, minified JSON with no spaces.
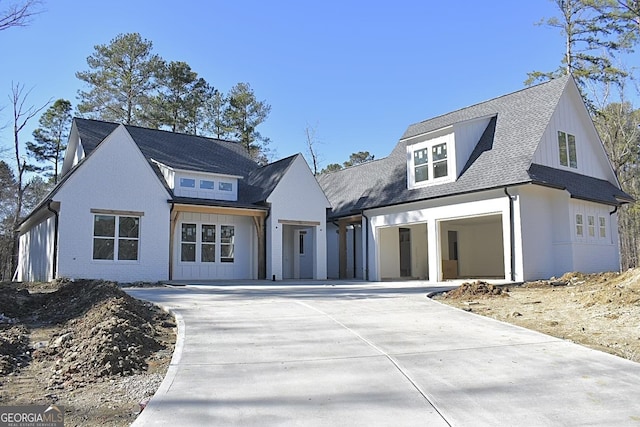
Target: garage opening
{"x":404,"y":252}
{"x":472,"y":248}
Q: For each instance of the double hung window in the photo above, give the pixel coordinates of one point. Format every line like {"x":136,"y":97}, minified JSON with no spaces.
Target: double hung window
{"x":116,"y":237}
{"x":430,"y":162}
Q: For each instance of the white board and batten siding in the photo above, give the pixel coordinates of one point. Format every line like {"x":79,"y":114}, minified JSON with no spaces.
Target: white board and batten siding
{"x":35,"y":259}
{"x":297,"y":198}
{"x":244,"y":264}
{"x":572,"y":118}
{"x":127,"y":185}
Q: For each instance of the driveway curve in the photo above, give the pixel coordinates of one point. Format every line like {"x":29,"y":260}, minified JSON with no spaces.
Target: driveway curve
{"x":372,"y":354}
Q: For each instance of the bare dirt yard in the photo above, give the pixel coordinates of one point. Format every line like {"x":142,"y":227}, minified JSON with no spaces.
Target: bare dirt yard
{"x":86,"y":346}
{"x":99,"y":353}
{"x":601,"y":311}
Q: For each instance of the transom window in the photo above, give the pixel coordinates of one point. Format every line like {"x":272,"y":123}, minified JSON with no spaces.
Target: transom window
{"x":567,"y":148}
{"x":116,"y":237}
{"x":188,"y":182}
{"x":206,"y":184}
{"x":200,"y":242}
{"x":225,"y":186}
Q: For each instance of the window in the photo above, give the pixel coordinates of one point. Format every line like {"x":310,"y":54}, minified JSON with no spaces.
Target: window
{"x":430,"y":161}
{"x":567,"y":148}
{"x":439,"y":158}
{"x":602,"y":222}
{"x":591,"y":226}
{"x":301,"y":242}
{"x":187,"y":182}
{"x":116,"y":237}
{"x":208,"y":248}
{"x":225,"y":186}
{"x":421,"y":164}
{"x":188,"y":243}
{"x":207,"y":185}
{"x":579,"y":225}
{"x":227,"y":233}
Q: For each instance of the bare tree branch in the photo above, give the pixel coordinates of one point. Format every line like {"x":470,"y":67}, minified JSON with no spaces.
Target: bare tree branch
{"x":19,"y":14}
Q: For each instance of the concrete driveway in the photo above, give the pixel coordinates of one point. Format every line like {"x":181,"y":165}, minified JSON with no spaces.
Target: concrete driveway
{"x":373,"y":354}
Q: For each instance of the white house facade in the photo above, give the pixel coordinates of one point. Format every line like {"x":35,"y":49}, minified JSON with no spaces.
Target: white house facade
{"x":515,"y":188}
{"x":137,"y":204}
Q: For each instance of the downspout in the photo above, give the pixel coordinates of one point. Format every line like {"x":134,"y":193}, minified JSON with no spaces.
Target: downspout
{"x":512,"y":239}
{"x":55,"y":238}
{"x":365,"y":261}
{"x":171,"y":237}
{"x":264,"y":243}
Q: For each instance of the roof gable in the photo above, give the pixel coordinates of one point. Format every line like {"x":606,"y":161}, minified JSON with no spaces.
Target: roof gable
{"x":502,"y":156}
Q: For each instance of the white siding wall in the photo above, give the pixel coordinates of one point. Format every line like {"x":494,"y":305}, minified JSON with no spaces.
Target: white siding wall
{"x":36,"y":252}
{"x":117,"y":177}
{"x":551,"y":246}
{"x":571,"y":117}
{"x":431,"y":213}
{"x":467,"y":135}
{"x":216,"y":193}
{"x":244,"y":265}
{"x":297,"y":197}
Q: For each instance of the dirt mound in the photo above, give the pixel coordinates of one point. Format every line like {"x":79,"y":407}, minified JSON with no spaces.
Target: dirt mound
{"x":104,"y":332}
{"x":14,"y":348}
{"x":475,"y":289}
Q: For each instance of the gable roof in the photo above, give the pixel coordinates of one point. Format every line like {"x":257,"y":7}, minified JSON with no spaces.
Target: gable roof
{"x":502,"y":157}
{"x":176,"y":150}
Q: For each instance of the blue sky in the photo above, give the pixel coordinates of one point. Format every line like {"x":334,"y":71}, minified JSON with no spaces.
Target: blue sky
{"x":358,"y":71}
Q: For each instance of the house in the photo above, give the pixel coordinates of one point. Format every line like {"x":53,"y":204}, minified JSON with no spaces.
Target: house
{"x":518,"y":188}
{"x":136,"y":204}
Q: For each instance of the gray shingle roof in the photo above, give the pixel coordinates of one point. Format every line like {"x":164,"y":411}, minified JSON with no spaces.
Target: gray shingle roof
{"x":502,"y":156}
{"x":194,"y":153}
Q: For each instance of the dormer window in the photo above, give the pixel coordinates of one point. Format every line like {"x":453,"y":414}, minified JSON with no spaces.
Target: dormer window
{"x":429,"y":162}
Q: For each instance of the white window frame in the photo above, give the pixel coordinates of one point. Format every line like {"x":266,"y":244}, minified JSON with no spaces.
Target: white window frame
{"x":199,"y":243}
{"x":567,"y":143}
{"x":602,"y":227}
{"x":116,"y":238}
{"x":428,"y":148}
{"x":591,"y":226}
{"x":579,"y":225}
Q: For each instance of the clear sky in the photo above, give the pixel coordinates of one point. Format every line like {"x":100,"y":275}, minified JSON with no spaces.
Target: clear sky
{"x":358,"y":71}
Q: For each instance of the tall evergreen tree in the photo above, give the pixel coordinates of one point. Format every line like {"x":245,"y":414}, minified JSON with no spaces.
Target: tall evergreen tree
{"x":215,"y":119}
{"x":592,"y":38}
{"x":243,"y":115}
{"x":50,"y":137}
{"x":181,"y":95}
{"x":121,"y":80}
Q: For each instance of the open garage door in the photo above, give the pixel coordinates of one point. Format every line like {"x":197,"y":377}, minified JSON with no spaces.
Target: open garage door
{"x":472,"y":247}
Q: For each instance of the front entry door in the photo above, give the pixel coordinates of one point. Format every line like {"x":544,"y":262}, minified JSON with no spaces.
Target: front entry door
{"x":405,"y":252}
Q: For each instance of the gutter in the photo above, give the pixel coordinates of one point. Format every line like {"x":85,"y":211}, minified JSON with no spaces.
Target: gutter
{"x":365,"y":261}
{"x":512,"y":244}
{"x":55,"y":238}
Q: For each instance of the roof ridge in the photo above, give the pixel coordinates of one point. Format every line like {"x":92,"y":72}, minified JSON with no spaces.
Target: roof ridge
{"x":555,"y":80}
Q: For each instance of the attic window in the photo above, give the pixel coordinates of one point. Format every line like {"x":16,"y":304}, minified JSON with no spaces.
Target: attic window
{"x":188,"y":182}
{"x":567,"y":149}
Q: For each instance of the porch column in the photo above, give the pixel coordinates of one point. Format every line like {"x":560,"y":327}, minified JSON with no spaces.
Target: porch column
{"x":258,"y":221}
{"x":433,"y":249}
{"x":342,"y":249}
